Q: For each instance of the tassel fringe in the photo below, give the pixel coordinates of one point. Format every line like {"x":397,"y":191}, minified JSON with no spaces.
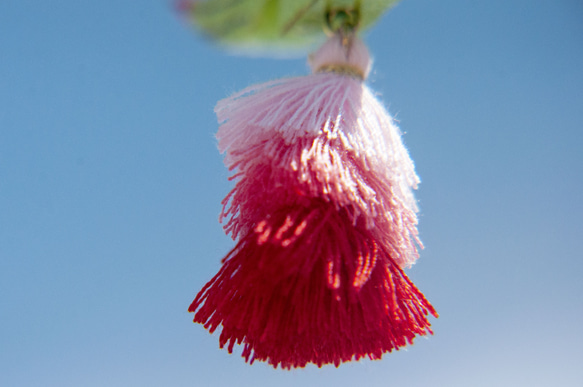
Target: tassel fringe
{"x":325,"y":219}
{"x":270,"y":295}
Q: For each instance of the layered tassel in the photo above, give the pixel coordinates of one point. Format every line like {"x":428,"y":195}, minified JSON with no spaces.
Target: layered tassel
{"x":325,"y":219}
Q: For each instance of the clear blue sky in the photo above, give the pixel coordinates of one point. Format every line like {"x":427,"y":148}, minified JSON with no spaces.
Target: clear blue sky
{"x":110,"y":189}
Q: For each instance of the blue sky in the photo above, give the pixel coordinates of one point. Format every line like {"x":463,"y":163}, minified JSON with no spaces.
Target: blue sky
{"x":110,"y":190}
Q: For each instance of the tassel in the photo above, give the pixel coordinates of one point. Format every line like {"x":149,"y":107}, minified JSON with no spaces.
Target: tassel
{"x":325,"y":219}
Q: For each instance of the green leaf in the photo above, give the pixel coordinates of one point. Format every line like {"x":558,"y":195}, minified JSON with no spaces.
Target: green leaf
{"x":278,"y":24}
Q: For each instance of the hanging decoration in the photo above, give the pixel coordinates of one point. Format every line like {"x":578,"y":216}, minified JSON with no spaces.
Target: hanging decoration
{"x":323,"y":214}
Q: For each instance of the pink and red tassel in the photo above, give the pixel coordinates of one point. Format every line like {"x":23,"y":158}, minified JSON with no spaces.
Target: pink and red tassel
{"x":325,"y":219}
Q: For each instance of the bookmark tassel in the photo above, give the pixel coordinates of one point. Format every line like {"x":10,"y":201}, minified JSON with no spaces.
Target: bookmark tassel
{"x":325,"y":219}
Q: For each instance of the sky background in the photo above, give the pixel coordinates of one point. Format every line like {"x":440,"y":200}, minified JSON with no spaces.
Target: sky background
{"x":110,"y":190}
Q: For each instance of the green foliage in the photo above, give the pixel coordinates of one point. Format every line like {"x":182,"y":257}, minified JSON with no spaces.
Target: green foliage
{"x":281,"y":23}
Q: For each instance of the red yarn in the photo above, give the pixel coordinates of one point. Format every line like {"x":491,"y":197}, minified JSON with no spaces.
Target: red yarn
{"x":308,"y":285}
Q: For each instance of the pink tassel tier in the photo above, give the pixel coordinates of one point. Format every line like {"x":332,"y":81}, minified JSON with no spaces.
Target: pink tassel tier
{"x":325,"y":219}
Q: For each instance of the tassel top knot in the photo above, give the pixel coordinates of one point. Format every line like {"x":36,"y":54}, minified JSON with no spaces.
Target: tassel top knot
{"x":344,"y":55}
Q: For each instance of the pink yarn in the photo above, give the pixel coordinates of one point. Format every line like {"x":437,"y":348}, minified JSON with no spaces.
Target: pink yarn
{"x":318,"y":167}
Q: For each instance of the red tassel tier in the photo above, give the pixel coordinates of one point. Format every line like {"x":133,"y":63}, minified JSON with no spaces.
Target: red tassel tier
{"x":306,"y":285}
{"x":325,"y":221}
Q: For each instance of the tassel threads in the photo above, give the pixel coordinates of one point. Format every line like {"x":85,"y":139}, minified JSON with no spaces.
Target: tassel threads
{"x":319,"y":167}
{"x":325,"y":218}
{"x":305,"y":285}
